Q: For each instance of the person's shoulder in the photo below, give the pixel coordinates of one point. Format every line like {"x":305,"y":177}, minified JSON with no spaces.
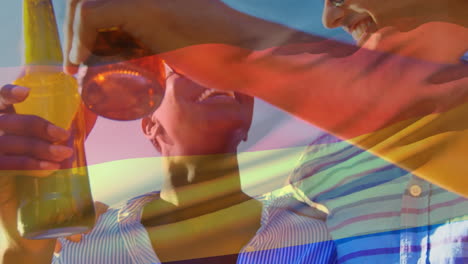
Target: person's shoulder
{"x":129,"y":210}
{"x":325,"y":143}
{"x":135,"y":200}
{"x":286,"y":201}
{"x":296,"y":222}
{"x":291,"y":205}
{"x":100,"y":209}
{"x":435,"y":41}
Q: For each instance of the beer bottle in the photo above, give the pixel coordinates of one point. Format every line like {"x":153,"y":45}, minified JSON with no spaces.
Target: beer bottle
{"x":61,"y":204}
{"x":122,"y":81}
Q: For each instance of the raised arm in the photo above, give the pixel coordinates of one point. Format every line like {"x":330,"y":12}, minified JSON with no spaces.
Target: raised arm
{"x":386,"y":101}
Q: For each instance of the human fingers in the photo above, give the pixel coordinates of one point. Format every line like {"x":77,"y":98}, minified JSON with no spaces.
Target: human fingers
{"x":100,"y":209}
{"x":11,"y":94}
{"x":89,"y":18}
{"x":32,"y":126}
{"x":25,"y":163}
{"x":35,"y":148}
{"x":68,"y":31}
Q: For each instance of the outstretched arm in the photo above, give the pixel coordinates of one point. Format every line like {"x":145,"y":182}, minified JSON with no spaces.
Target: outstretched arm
{"x":386,"y":101}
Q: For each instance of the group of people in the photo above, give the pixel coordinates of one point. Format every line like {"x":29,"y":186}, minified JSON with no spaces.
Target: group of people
{"x":385,"y":183}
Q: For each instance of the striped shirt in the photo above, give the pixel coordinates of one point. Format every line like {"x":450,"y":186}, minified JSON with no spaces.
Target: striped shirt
{"x":380,"y":213}
{"x":290,"y":233}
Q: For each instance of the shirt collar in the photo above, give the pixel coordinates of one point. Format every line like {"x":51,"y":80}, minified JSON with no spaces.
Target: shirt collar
{"x":132,"y":209}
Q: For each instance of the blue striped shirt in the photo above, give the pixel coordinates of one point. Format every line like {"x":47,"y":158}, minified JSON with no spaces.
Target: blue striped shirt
{"x":290,"y":233}
{"x":380,"y":213}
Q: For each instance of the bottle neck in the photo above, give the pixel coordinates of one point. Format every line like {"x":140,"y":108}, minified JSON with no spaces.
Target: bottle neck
{"x":41,"y":38}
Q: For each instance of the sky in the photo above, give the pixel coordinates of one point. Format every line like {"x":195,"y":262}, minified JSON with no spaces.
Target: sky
{"x":112,"y":147}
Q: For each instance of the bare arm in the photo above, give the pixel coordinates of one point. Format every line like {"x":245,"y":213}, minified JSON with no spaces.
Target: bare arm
{"x":390,"y":109}
{"x":383,"y":101}
{"x":329,"y":84}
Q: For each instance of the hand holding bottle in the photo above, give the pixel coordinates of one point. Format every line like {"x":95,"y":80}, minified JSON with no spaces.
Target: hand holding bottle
{"x":28,"y":144}
{"x":86,"y":18}
{"x":164,"y":25}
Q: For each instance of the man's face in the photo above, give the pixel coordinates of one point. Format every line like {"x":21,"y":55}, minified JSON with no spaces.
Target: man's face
{"x":363,"y":18}
{"x":195,"y":120}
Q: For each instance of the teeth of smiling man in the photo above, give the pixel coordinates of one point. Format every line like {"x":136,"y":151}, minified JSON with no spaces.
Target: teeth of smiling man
{"x":360,"y":29}
{"x":208,"y":92}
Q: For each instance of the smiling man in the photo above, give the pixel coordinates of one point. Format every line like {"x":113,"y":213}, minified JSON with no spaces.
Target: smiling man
{"x":201,"y":214}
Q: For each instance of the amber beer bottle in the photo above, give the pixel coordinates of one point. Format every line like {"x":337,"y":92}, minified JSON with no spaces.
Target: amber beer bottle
{"x":61,"y":204}
{"x":123,"y":81}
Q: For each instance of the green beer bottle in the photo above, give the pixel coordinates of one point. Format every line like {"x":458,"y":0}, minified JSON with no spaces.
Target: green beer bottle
{"x":61,"y":204}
